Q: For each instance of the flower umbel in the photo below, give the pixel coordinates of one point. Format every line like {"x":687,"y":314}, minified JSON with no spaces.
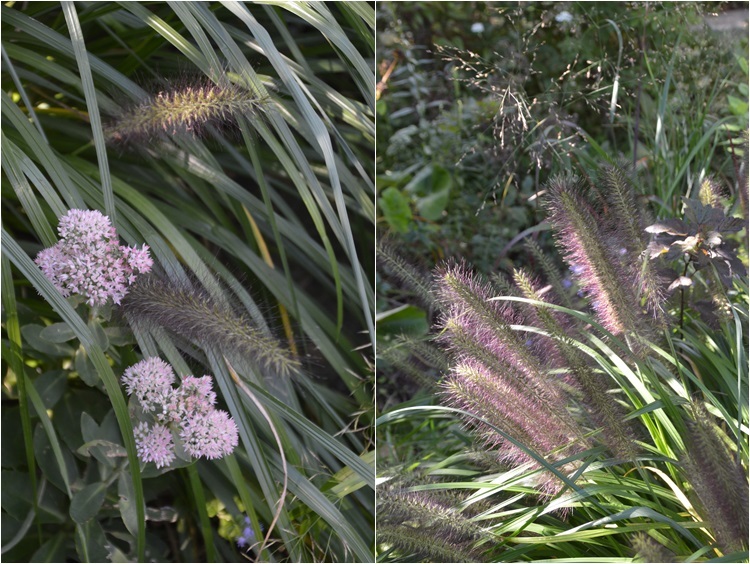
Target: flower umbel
{"x":154,"y":444}
{"x":188,"y":409}
{"x":213,"y":435}
{"x":151,"y":381}
{"x":89,"y":260}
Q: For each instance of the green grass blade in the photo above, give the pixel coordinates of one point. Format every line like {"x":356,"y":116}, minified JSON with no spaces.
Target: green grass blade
{"x":89,"y":91}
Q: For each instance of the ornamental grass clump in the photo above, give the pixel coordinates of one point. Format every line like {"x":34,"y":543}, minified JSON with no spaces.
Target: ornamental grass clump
{"x":88,"y":259}
{"x":186,"y":411}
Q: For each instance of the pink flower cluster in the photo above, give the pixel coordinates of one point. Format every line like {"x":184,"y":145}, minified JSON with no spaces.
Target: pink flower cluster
{"x":189,"y":409}
{"x":89,"y":260}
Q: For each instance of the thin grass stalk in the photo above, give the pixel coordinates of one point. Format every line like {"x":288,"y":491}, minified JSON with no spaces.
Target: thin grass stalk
{"x":199,"y":499}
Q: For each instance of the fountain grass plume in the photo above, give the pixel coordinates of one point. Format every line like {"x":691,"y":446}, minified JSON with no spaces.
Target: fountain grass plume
{"x":648,"y":550}
{"x":719,"y":480}
{"x":710,"y":193}
{"x":474,"y":388}
{"x":617,"y":434}
{"x":495,"y":370}
{"x":189,"y":311}
{"x":626,"y":225}
{"x":186,"y":108}
{"x":479,"y":325}
{"x":412,"y":356}
{"x":598,"y":266}
{"x":428,"y":353}
{"x":551,"y":272}
{"x":391,"y":260}
{"x":423,"y":524}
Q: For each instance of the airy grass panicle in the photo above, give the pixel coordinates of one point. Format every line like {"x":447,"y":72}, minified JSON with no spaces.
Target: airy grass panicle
{"x":185,"y":109}
{"x":192,"y":313}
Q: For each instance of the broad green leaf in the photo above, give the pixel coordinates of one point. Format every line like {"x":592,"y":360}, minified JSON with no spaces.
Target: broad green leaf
{"x":32,"y":334}
{"x":91,"y":543}
{"x":127,"y":502}
{"x":87,"y":502}
{"x":53,"y":550}
{"x":405,"y":319}
{"x":50,"y":461}
{"x":395,"y":208}
{"x":432,"y":206}
{"x":85,"y":368}
{"x":57,"y":333}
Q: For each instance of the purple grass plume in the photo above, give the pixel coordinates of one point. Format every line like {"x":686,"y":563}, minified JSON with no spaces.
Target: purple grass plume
{"x":594,"y":257}
{"x":188,"y":410}
{"x":626,"y":230}
{"x":88,"y":259}
{"x":601,"y":408}
{"x":496,"y":370}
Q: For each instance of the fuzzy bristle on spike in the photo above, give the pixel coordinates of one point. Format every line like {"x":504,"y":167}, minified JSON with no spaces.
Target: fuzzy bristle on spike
{"x":495,"y":370}
{"x":593,"y":258}
{"x":719,"y":480}
{"x":617,"y":434}
{"x":185,"y":110}
{"x":193,"y":314}
{"x":424,"y":524}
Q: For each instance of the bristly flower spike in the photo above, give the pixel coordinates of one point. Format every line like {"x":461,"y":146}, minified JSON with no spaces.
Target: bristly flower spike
{"x":193,"y":313}
{"x":626,"y":228}
{"x":185,"y":110}
{"x":598,"y":267}
{"x":605,"y":412}
{"x":719,"y":480}
{"x":495,"y":370}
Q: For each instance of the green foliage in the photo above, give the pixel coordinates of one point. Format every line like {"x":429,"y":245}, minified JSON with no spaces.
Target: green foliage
{"x":247,"y":171}
{"x":687,"y":392}
{"x":504,"y":95}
